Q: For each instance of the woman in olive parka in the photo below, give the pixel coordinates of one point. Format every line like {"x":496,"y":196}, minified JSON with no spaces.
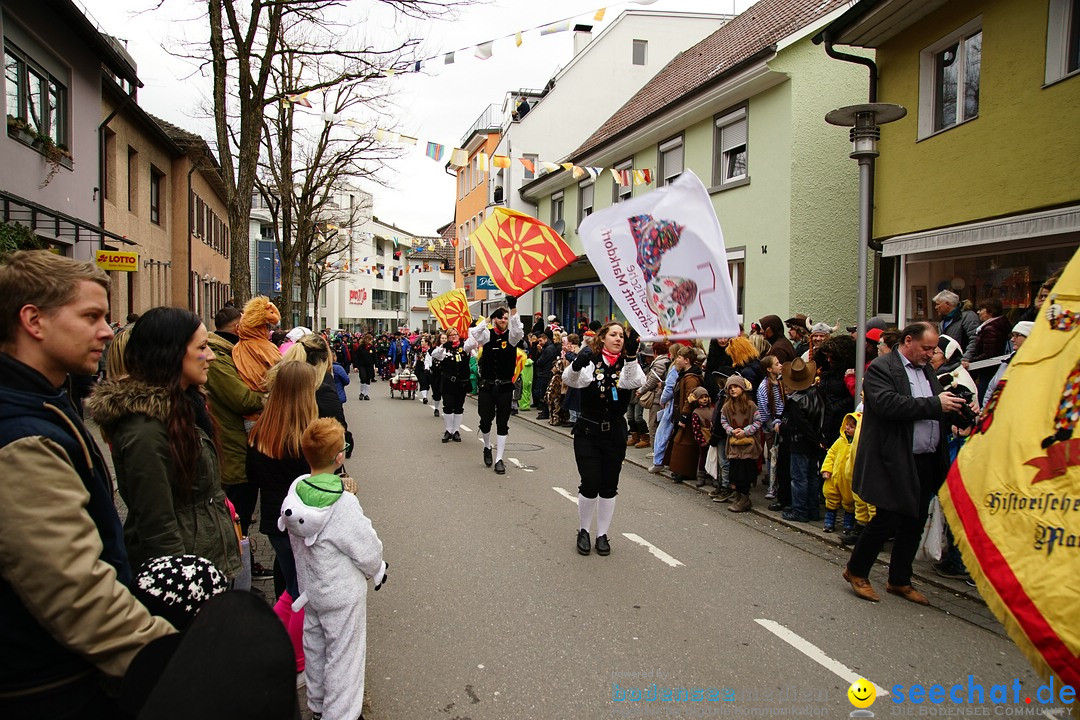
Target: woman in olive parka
{"x":161,"y":436}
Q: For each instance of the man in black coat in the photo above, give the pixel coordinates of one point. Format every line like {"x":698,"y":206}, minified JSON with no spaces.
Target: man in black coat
{"x":901,"y":459}
{"x":547,"y":354}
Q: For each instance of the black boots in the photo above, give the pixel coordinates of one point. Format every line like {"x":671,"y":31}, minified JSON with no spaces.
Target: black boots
{"x":583,"y":544}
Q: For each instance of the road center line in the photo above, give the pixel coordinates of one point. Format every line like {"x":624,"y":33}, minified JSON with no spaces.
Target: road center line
{"x":814,"y":653}
{"x":657,"y":552}
{"x":517,"y":463}
{"x":568,"y":496}
{"x":464,"y":428}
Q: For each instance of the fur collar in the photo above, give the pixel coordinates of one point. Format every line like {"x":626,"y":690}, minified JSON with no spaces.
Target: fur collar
{"x":114,"y":400}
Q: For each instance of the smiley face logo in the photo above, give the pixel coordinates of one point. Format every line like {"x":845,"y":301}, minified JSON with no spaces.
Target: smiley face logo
{"x":862,"y":693}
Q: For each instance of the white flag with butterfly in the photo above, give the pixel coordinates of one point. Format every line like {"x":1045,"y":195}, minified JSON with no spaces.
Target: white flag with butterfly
{"x":661,"y":256}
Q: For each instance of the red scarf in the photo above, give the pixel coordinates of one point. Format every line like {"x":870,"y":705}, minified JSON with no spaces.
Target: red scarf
{"x":609,"y":357}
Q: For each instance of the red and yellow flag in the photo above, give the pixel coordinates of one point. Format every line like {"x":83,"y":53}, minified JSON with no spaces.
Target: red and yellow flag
{"x":1012,"y":498}
{"x":451,"y":309}
{"x":518,"y":251}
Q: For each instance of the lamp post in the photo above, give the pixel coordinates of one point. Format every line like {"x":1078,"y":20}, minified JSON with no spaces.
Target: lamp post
{"x":864,"y":121}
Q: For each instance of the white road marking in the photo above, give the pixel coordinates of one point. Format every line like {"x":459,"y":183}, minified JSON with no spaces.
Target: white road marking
{"x":464,"y":428}
{"x":568,"y":496}
{"x":657,"y":552}
{"x":517,"y":463}
{"x":814,"y":653}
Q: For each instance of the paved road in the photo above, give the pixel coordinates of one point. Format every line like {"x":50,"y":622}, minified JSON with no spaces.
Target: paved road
{"x":491,"y":613}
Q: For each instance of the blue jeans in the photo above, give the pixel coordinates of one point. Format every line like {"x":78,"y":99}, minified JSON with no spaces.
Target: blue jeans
{"x":663,"y":435}
{"x":804,"y":487}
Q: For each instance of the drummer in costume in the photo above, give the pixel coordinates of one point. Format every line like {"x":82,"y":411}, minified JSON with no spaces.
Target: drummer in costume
{"x":496,"y":362}
{"x":607,"y":372}
{"x":453,"y":361}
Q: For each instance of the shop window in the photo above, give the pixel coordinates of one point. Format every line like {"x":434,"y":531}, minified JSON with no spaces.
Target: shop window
{"x":1062,"y":39}
{"x":729,"y":149}
{"x":640,"y":52}
{"x":670,"y":160}
{"x":36,"y":100}
{"x":950,"y":72}
{"x":887,"y":288}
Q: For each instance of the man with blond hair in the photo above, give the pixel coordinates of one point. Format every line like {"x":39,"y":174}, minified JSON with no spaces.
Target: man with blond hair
{"x":66,"y":615}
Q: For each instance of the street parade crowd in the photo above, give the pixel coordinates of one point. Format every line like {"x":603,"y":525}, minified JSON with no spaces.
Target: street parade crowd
{"x":206,"y":427}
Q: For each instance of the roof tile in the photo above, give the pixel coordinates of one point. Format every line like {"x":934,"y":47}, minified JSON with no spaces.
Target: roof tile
{"x":755,"y":29}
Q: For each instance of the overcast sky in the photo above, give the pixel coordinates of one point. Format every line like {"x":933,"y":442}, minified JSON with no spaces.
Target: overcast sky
{"x":438,"y":105}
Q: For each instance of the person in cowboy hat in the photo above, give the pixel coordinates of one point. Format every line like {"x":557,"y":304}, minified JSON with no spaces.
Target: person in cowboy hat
{"x":800,"y":427}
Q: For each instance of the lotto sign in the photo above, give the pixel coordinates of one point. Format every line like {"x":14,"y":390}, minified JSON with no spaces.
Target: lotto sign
{"x":114,"y":260}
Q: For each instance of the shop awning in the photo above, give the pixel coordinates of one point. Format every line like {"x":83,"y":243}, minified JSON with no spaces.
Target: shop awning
{"x":55,"y":225}
{"x":1015,"y":227}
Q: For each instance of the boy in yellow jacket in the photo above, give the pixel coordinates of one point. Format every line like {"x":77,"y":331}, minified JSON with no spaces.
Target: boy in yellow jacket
{"x":836,"y":470}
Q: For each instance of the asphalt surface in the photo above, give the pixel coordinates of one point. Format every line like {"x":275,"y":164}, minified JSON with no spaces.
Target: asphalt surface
{"x":490,"y":612}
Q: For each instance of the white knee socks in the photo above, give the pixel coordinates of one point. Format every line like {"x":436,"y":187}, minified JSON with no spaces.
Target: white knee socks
{"x":365,"y":389}
{"x":423,"y":394}
{"x":586,"y":507}
{"x":487,"y":440}
{"x":457,"y":423}
{"x":605,"y":509}
{"x":448,"y":421}
{"x":500,"y":445}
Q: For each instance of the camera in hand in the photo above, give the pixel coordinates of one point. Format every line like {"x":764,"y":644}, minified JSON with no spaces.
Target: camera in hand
{"x":966,"y":415}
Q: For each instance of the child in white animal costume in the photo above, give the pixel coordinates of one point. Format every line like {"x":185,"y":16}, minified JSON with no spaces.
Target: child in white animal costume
{"x":336,"y":552}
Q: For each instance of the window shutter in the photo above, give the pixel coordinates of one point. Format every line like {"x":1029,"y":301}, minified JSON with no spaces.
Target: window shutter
{"x":733,"y":136}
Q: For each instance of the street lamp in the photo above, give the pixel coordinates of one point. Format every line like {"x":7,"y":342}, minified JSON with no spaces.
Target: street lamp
{"x":864,"y":121}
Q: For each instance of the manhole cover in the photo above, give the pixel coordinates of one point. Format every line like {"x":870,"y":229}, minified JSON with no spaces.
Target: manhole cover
{"x":523,"y":447}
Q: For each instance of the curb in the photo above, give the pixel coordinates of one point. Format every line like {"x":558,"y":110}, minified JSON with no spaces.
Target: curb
{"x":956,"y":587}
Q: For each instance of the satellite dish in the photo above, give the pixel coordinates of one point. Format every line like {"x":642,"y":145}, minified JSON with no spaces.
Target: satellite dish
{"x":559,"y":226}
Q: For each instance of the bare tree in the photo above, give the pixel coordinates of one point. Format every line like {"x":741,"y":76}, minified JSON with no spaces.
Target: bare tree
{"x":245,"y":44}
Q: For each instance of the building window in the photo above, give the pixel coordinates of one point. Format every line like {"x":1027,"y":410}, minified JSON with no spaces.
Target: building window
{"x":110,"y":165}
{"x":534,"y":160}
{"x":886,"y":294}
{"x":586,"y":194}
{"x":949,"y":80}
{"x":36,"y":98}
{"x":425,"y":288}
{"x":670,"y":160}
{"x":133,"y":179}
{"x":557,"y":203}
{"x":156,"y":179}
{"x":729,"y":148}
{"x":736,"y":260}
{"x":640,"y":51}
{"x":621,"y":192}
{"x":1062,"y":40}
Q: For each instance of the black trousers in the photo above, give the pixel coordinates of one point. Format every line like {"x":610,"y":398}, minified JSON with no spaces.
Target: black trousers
{"x":783,"y":473}
{"x":741,"y":473}
{"x":907,"y":529}
{"x":435,"y":377}
{"x":244,"y":497}
{"x":494,"y":404}
{"x":421,"y":376}
{"x":599,"y":456}
{"x":453,"y":397}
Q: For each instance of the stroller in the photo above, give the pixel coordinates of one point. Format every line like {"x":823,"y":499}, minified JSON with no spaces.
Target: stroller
{"x":404,"y":381}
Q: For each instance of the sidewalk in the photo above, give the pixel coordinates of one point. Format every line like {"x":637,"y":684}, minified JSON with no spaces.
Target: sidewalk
{"x":923,"y":574}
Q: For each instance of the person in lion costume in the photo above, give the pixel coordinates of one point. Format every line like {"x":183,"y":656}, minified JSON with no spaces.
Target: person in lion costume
{"x":254,"y":354}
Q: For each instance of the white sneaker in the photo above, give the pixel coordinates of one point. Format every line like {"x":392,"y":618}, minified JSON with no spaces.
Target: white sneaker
{"x":648,"y":454}
{"x":656,"y":469}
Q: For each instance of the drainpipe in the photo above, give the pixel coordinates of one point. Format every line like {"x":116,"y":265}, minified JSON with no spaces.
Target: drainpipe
{"x":190,"y":229}
{"x":832,"y":52}
{"x":101,"y":156}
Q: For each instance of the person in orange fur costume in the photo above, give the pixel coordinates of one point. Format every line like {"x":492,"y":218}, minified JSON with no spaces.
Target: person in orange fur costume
{"x":254,"y":354}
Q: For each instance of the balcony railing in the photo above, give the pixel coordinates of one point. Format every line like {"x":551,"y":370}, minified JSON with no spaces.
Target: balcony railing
{"x":492,"y":117}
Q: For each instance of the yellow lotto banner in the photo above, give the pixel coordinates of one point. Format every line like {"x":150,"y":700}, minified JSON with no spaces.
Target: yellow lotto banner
{"x":1012,"y":498}
{"x":115,"y":260}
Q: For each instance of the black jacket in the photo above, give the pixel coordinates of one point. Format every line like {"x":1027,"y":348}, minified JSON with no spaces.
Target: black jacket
{"x":545,"y":361}
{"x":885,"y":473}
